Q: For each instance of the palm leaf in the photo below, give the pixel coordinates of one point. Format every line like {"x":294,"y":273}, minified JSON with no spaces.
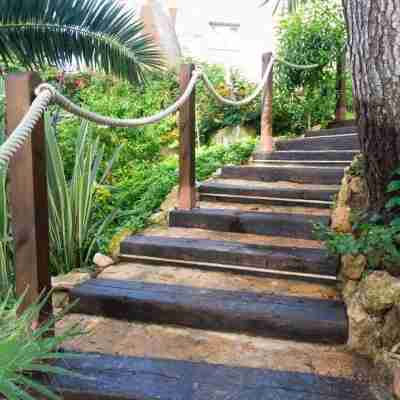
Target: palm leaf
{"x":101,"y":34}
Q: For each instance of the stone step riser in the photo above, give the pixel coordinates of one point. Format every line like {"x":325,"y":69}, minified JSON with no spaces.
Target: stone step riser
{"x":322,"y":176}
{"x":341,"y":142}
{"x":302,"y":319}
{"x":269,"y":224}
{"x":213,"y":253}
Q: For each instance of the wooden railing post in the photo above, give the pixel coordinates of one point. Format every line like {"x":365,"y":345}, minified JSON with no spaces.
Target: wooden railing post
{"x":187,"y":129}
{"x":28,"y":196}
{"x":266,"y":107}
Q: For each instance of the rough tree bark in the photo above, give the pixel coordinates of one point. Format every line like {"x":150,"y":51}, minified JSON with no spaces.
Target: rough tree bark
{"x":341,"y":104}
{"x":374,"y":45}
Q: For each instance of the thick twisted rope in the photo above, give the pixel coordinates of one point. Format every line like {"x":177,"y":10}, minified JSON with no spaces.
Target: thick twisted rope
{"x":47,"y":93}
{"x":116,"y":122}
{"x":17,"y":139}
{"x":246,"y":100}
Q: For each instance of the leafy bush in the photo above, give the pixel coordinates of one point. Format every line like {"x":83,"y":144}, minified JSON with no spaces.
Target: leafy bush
{"x":315,"y":34}
{"x":25,"y":353}
{"x":142,"y":190}
{"x":375,"y":236}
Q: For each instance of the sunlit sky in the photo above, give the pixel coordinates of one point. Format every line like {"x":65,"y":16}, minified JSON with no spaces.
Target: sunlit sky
{"x":244,"y":49}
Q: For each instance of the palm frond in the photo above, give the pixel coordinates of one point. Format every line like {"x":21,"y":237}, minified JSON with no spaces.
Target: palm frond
{"x":101,"y":34}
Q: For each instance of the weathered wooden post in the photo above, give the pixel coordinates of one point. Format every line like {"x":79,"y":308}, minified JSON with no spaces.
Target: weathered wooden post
{"x":187,"y":128}
{"x":28,"y":196}
{"x":266,"y":107}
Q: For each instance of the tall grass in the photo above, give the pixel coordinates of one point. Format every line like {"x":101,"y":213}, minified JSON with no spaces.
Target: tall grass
{"x":73,"y":231}
{"x":25,"y":353}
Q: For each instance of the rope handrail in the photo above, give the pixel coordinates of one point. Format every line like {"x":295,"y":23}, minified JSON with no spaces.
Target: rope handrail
{"x":246,"y":100}
{"x":21,"y":133}
{"x":47,"y":93}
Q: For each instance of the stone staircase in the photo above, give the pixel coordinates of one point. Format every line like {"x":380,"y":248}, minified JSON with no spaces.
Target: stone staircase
{"x":234,"y":299}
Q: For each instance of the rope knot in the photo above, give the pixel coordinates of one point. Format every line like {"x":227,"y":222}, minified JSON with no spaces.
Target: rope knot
{"x":46,"y":86}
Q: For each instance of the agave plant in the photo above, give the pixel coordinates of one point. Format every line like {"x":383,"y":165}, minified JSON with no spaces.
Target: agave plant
{"x":25,"y":353}
{"x":101,"y":34}
{"x":73,"y":231}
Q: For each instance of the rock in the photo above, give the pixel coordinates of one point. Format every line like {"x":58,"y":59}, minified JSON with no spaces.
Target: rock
{"x":102,"y":260}
{"x":363,"y":329}
{"x":344,"y":195}
{"x":391,"y":328}
{"x":68,"y":281}
{"x":341,"y":220}
{"x":171,"y":201}
{"x":233,"y":134}
{"x":359,"y":193}
{"x":348,"y":291}
{"x":353,"y":266}
{"x":396,"y":383}
{"x":379,"y":292}
{"x":160,"y":218}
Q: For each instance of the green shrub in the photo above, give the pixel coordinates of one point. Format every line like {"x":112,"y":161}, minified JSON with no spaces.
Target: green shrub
{"x":375,"y":236}
{"x":142,"y":190}
{"x":25,"y":353}
{"x":314,"y":34}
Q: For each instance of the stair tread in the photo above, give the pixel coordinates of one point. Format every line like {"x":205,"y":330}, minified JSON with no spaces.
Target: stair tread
{"x":241,"y":238}
{"x":224,"y":252}
{"x":304,"y":319}
{"x":325,"y":142}
{"x":293,"y":197}
{"x":291,"y":173}
{"x":176,"y":275}
{"x":238,"y":208}
{"x":108,"y":377}
{"x":268,"y":185}
{"x":245,"y":221}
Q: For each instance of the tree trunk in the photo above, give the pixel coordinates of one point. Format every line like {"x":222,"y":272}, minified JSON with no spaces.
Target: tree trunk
{"x":341,"y":104}
{"x":374,"y":44}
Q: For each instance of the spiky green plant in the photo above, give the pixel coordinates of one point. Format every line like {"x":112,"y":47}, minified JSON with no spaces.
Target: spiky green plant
{"x":73,"y":232}
{"x":6,"y":249}
{"x":101,"y":34}
{"x":25,"y":352}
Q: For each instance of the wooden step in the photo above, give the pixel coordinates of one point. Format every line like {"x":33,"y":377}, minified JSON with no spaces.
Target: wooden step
{"x":110,"y":377}
{"x":337,"y":142}
{"x":312,"y":175}
{"x":229,"y":255}
{"x":344,"y":130}
{"x":230,"y":220}
{"x":301,"y":319}
{"x":248,"y":192}
{"x":314,"y":155}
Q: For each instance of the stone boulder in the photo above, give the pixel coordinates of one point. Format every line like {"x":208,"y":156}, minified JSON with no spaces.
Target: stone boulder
{"x":353,"y":266}
{"x":341,"y":220}
{"x":379,"y":292}
{"x":364,"y":336}
{"x":391,"y":328}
